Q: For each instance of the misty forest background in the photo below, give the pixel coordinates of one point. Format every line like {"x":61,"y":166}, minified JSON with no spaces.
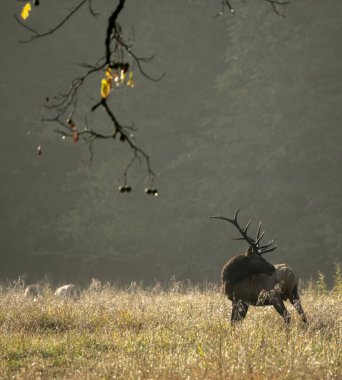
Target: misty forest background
{"x":249,"y":114}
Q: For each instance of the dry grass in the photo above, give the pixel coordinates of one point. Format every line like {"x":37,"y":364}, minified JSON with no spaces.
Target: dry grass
{"x":180,"y":333}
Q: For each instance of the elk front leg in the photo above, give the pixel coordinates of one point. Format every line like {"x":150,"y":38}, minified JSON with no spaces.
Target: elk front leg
{"x":239,"y":311}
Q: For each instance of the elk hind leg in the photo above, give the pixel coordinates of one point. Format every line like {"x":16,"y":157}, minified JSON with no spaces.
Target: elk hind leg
{"x":295,"y":300}
{"x":278,"y":304}
{"x":239,"y":311}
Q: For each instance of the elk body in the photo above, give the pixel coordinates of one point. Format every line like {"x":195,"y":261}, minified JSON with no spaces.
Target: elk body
{"x":264,"y":290}
{"x":248,"y":279}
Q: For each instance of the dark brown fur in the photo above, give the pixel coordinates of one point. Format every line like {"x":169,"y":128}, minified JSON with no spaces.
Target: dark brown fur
{"x":243,"y":266}
{"x":264,"y":290}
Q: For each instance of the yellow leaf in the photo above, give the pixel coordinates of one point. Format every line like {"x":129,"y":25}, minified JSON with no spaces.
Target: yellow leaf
{"x":105,"y":88}
{"x":130,"y":82}
{"x":109,"y":73}
{"x":116,"y":79}
{"x":122,"y":76}
{"x":25,"y":13}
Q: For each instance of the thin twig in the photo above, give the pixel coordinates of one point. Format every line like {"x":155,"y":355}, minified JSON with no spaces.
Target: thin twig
{"x":37,"y":35}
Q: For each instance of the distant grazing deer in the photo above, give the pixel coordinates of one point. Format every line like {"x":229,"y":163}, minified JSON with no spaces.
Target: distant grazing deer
{"x":35,"y":292}
{"x":248,"y":279}
{"x":69,"y":291}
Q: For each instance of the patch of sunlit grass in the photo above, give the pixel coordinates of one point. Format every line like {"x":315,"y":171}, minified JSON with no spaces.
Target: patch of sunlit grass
{"x":182,"y":332}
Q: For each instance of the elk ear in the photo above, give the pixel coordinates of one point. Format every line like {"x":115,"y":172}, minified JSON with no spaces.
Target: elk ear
{"x":249,"y":251}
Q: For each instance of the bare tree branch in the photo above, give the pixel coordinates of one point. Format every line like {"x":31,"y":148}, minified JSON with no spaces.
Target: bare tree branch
{"x":117,"y":58}
{"x":65,"y":104}
{"x":276,"y":5}
{"x":37,"y":35}
{"x":112,"y":29}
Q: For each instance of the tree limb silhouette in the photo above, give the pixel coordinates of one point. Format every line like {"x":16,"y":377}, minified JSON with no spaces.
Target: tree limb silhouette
{"x":117,"y":53}
{"x":117,"y":59}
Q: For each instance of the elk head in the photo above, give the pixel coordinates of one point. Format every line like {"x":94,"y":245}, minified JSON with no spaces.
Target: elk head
{"x":251,"y":262}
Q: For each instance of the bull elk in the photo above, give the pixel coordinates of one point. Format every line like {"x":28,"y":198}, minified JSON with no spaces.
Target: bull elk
{"x":248,"y":279}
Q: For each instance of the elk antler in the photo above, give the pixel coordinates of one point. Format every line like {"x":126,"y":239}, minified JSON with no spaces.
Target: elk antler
{"x":254,"y":243}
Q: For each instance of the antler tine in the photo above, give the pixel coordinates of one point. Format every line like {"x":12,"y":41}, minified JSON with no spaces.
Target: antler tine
{"x":268,"y":250}
{"x":243,"y":232}
{"x":247,"y":225}
{"x":258,"y":233}
{"x":222,"y":218}
{"x":263,"y":248}
{"x":254,"y":243}
{"x":268,"y":244}
{"x":236,"y":213}
{"x":234,"y":220}
{"x":257,"y":241}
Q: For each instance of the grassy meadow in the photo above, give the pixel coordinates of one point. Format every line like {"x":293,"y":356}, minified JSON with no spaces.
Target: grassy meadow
{"x":182,"y":332}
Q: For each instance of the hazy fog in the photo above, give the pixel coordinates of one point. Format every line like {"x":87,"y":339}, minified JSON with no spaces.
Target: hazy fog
{"x":249,"y":114}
